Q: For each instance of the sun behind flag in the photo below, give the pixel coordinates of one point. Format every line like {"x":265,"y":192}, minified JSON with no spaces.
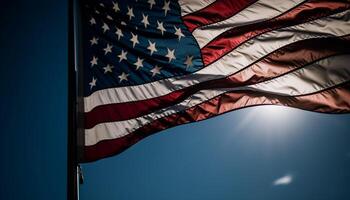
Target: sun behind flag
{"x":149,"y":65}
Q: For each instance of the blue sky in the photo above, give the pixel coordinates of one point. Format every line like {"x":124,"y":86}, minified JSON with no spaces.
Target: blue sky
{"x":255,"y":153}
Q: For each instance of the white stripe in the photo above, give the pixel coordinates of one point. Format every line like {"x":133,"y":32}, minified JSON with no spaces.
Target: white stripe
{"x":323,"y":74}
{"x":190,"y":6}
{"x":257,"y":12}
{"x":310,"y":79}
{"x":241,"y":57}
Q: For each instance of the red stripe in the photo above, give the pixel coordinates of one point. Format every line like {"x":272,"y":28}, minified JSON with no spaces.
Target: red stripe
{"x":210,"y":14}
{"x":231,"y":39}
{"x":282,"y":61}
{"x":124,"y":111}
{"x":336,"y":100}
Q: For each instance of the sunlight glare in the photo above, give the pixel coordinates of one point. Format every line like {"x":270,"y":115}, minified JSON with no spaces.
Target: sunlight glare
{"x":270,"y":117}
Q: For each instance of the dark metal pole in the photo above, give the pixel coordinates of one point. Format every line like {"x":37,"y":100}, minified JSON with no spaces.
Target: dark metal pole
{"x":72,"y":185}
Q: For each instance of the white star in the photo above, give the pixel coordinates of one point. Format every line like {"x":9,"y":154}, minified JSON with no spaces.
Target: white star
{"x":97,"y":12}
{"x":93,"y":82}
{"x":92,"y":21}
{"x":166,"y":7}
{"x":130,"y":13}
{"x":94,"y":41}
{"x":152,"y":47}
{"x":151,"y":3}
{"x":108,"y":49}
{"x":105,"y":27}
{"x":119,"y":33}
{"x":123,"y":76}
{"x":122,"y":55}
{"x":115,"y":6}
{"x":138,"y":63}
{"x":170,"y":54}
{"x":108,"y":68}
{"x":93,"y":61}
{"x":102,"y":5}
{"x":155,"y":70}
{"x":179,"y":33}
{"x":160,"y":27}
{"x":109,"y":17}
{"x":145,"y":20}
{"x":134,"y":40}
{"x":188,"y":62}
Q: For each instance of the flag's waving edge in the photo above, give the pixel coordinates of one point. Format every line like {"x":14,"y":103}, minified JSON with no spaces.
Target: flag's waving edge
{"x":149,"y":65}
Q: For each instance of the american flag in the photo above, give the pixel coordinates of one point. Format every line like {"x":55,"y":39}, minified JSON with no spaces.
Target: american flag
{"x":149,"y":65}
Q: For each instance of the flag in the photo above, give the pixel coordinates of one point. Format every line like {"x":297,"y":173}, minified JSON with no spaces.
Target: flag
{"x":149,"y":65}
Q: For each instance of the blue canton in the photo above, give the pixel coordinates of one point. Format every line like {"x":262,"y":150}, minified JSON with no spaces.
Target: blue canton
{"x":133,"y":42}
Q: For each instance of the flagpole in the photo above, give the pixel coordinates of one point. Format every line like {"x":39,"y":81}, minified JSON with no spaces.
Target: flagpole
{"x":72,"y":163}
